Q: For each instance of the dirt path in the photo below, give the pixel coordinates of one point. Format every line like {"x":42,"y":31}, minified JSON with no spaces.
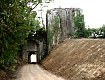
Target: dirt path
{"x":34,"y":72}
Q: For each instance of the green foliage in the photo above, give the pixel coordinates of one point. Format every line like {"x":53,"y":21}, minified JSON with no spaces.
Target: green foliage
{"x":95,"y":30}
{"x":102,"y":31}
{"x":17,"y":20}
{"x":79,"y":30}
{"x":79,"y":25}
{"x":87,"y":32}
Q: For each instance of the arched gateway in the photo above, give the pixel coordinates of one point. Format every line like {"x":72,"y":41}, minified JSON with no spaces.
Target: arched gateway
{"x":31,"y":52}
{"x":36,"y":48}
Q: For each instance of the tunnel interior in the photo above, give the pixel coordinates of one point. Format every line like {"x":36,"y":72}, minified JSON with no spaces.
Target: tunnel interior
{"x":32,"y":57}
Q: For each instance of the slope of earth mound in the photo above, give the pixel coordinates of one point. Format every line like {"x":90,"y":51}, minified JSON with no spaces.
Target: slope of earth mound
{"x":78,"y":59}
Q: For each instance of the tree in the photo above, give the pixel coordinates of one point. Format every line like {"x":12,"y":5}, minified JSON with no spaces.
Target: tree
{"x":102,"y":31}
{"x":17,"y":20}
{"x":79,"y":25}
{"x":87,"y":32}
{"x":80,"y":31}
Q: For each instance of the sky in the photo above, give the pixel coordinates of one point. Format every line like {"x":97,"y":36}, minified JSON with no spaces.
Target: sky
{"x":93,"y":10}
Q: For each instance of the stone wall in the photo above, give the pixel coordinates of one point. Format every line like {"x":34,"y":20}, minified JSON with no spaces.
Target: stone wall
{"x":30,"y":46}
{"x":62,"y":28}
{"x":37,"y":44}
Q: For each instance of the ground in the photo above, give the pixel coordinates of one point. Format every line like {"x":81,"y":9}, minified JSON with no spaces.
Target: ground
{"x":3,"y":75}
{"x":78,"y":59}
{"x":73,"y":59}
{"x":35,"y":72}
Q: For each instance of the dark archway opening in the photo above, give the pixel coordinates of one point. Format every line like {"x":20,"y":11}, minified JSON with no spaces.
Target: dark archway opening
{"x":32,"y":54}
